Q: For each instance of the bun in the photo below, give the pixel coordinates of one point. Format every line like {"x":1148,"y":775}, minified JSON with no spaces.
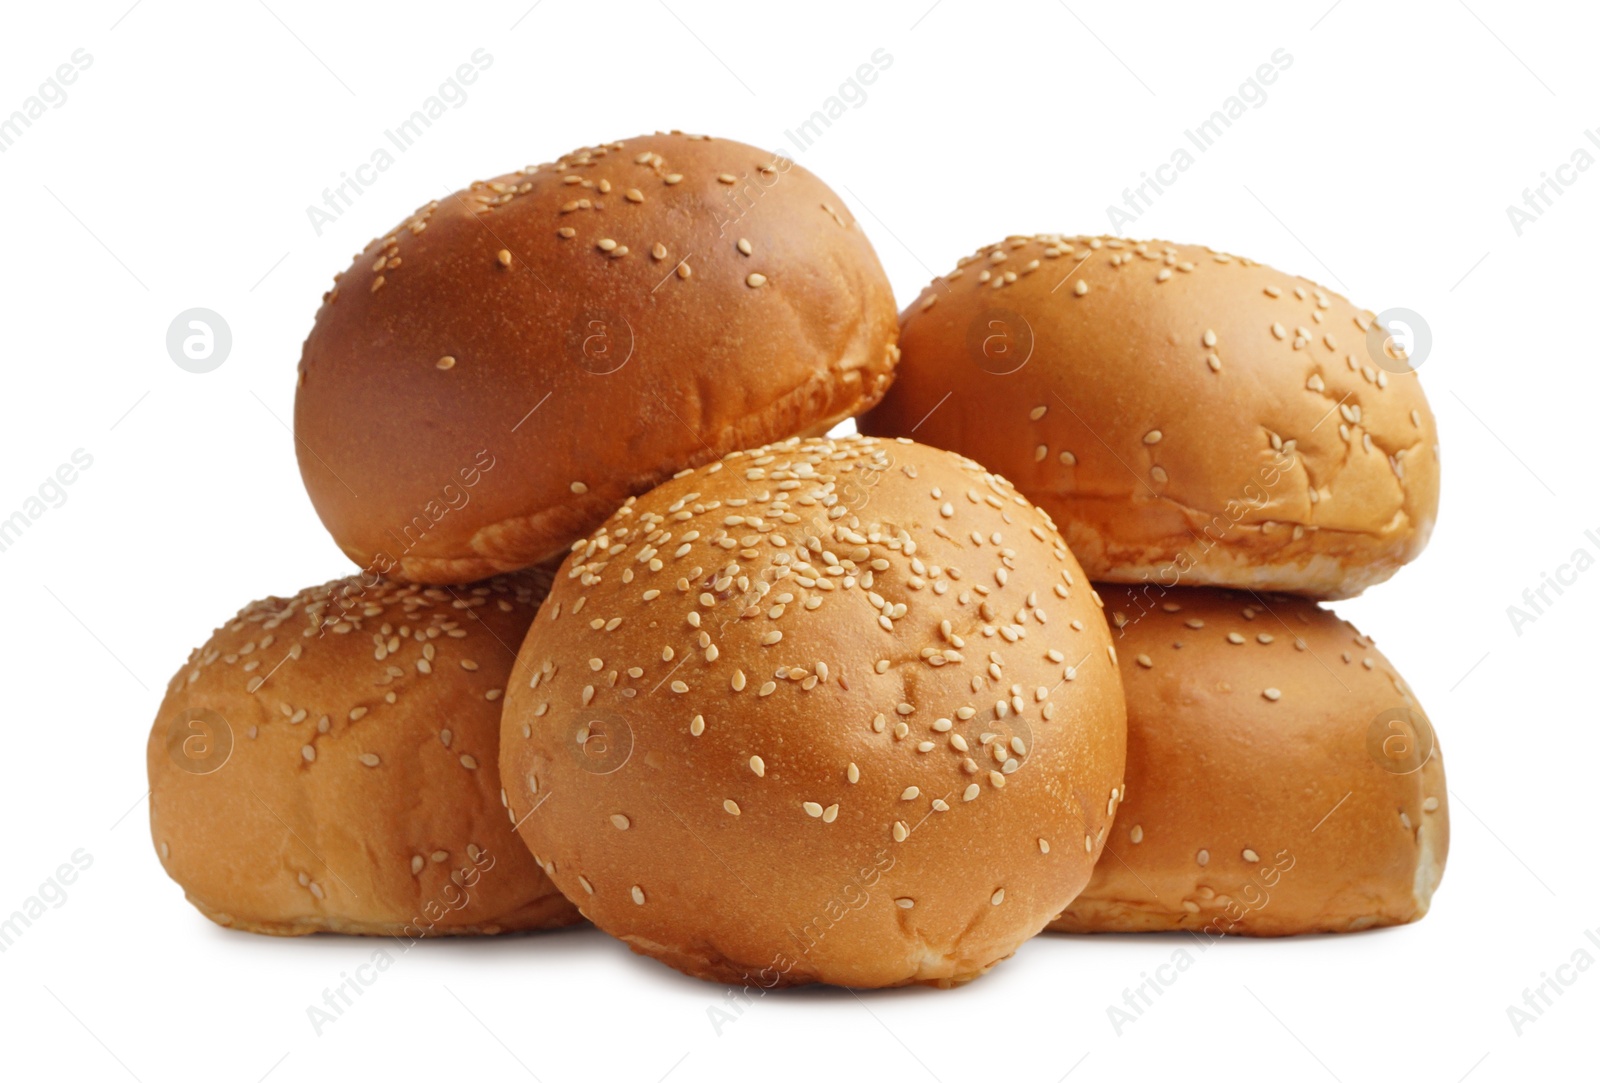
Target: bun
{"x":493,"y":377}
{"x":1189,"y":417}
{"x":1281,"y":776}
{"x":828,"y":710}
{"x":326,"y":763}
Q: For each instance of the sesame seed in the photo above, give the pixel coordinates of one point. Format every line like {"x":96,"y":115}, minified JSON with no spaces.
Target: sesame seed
{"x":1209,"y":338}
{"x":726,"y":178}
{"x":1136,"y":835}
{"x":1080,"y":288}
{"x":620,"y":822}
{"x":605,"y":244}
{"x":1153,"y":436}
{"x":634,"y":195}
{"x":1250,"y":855}
{"x":901,"y":832}
{"x":813,"y":809}
{"x":998,"y":897}
{"x":853,"y":774}
{"x":445,"y":362}
{"x":638,"y":895}
{"x":469,"y":762}
{"x":369,"y":759}
{"x":731,"y":807}
{"x":905,"y":903}
{"x":1430,"y":804}
{"x":744,"y":246}
{"x":759,"y":766}
{"x":970,"y":793}
{"x":567,"y":231}
{"x":504,"y":256}
{"x":1272,"y":694}
{"x":1203,"y":858}
{"x":755,"y":280}
{"x":672,"y":178}
{"x":1044,"y":846}
{"x":910,"y":793}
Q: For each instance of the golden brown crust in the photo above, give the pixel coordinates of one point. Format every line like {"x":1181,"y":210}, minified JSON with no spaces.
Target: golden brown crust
{"x":479,"y":390}
{"x":327,"y":763}
{"x":763,"y":727}
{"x":1268,"y":793}
{"x":1189,"y":417}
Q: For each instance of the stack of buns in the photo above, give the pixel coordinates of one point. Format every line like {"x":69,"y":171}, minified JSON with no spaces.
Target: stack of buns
{"x":633,"y":640}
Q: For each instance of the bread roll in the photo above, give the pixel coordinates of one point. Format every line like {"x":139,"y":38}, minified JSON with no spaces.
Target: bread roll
{"x":1188,"y":417}
{"x":326,"y":763}
{"x":491,"y":378}
{"x":1282,"y":778}
{"x":829,"y":710}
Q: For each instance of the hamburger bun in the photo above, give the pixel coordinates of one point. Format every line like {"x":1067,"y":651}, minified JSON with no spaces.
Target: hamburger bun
{"x":326,"y":763}
{"x":1282,"y":778}
{"x":490,"y":379}
{"x":828,"y":710}
{"x":1187,"y":416}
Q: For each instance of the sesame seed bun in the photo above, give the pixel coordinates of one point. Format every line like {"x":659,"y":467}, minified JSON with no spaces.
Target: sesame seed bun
{"x":494,"y":376}
{"x":1188,"y":417}
{"x":1281,"y":776}
{"x":327,"y":763}
{"x":829,"y":710}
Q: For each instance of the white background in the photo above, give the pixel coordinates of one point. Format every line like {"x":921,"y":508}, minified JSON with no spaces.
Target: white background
{"x":177,"y":175}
